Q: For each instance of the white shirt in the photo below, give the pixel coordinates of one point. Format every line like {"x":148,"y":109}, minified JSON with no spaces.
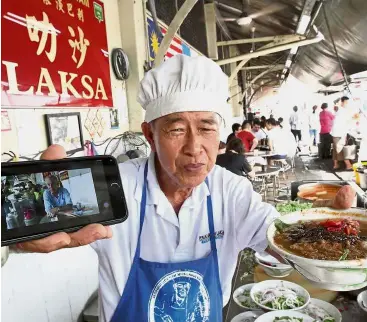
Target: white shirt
{"x":238,"y":213}
{"x":341,"y":123}
{"x":260,"y":135}
{"x":295,"y":121}
{"x":283,"y":141}
{"x":314,"y":121}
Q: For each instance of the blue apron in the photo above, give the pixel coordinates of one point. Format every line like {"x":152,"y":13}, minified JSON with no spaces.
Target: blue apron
{"x":172,"y":292}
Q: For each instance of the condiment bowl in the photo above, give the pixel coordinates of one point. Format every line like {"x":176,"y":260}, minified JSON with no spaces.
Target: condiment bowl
{"x":239,"y":291}
{"x":275,"y":271}
{"x":329,"y":308}
{"x":362,"y":300}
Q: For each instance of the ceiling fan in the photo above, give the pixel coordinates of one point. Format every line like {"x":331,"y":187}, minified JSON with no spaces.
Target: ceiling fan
{"x":245,"y":19}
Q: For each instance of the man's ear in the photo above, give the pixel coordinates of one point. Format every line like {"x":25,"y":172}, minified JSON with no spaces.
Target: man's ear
{"x":147,"y":130}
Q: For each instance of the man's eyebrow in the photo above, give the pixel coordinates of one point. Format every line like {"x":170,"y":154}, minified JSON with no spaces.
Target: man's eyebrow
{"x":172,"y":120}
{"x":209,"y":121}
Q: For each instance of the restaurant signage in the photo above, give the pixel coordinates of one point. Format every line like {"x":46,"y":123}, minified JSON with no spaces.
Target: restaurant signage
{"x":54,"y":54}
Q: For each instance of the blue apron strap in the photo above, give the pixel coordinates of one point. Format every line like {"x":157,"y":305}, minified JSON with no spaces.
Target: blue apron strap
{"x":143,"y":204}
{"x":209,"y":206}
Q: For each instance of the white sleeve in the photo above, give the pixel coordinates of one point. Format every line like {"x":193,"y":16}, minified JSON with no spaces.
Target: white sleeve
{"x":252,"y":217}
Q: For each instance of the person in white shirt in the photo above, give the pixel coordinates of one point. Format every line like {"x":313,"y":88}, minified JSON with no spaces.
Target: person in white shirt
{"x":339,"y":132}
{"x":173,"y":259}
{"x":281,"y":141}
{"x":295,"y":122}
{"x":314,"y":126}
{"x":258,"y":131}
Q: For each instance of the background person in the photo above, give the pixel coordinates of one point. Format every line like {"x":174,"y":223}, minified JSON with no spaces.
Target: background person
{"x":222,"y":147}
{"x":295,"y":122}
{"x":234,"y":159}
{"x":263,"y":122}
{"x":249,"y":140}
{"x":281,"y":141}
{"x":339,"y":132}
{"x":236,"y":128}
{"x":314,"y":125}
{"x":258,"y":131}
{"x":250,"y":115}
{"x":326,"y":123}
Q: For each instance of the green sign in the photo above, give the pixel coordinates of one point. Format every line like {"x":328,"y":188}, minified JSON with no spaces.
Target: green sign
{"x":98,"y":11}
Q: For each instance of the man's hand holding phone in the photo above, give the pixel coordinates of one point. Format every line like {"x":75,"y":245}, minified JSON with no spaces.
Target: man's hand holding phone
{"x":84,"y":236}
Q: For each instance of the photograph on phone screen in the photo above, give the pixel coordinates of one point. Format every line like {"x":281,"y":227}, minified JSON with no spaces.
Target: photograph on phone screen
{"x":38,"y":198}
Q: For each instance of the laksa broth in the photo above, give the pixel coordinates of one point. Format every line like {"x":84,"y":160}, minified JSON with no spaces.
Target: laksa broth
{"x":333,"y":239}
{"x":320,"y":191}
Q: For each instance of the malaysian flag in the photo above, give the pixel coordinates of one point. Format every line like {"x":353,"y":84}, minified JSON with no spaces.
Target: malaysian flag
{"x":177,"y":46}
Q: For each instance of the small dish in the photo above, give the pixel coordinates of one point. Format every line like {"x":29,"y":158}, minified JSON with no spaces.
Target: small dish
{"x":362,"y":300}
{"x":270,"y":316}
{"x":269,"y":260}
{"x":275,"y":271}
{"x":249,"y":316}
{"x":313,"y":311}
{"x":242,"y":297}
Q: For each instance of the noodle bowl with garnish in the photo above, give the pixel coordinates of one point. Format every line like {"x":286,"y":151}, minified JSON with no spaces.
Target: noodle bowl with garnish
{"x":326,"y":246}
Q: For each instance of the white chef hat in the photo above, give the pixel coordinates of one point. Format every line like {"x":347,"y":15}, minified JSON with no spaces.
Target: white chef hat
{"x":184,"y":84}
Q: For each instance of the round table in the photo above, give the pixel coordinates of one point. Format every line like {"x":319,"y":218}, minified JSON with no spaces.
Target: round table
{"x":263,"y":154}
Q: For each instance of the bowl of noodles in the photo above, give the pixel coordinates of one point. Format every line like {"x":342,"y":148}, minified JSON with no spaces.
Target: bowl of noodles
{"x":317,"y":191}
{"x":326,"y":246}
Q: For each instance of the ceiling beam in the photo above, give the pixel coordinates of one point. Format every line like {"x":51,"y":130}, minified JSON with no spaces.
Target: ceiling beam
{"x":269,"y":49}
{"x":273,"y":48}
{"x":228,"y":8}
{"x":262,"y":67}
{"x":172,"y":29}
{"x":255,"y":40}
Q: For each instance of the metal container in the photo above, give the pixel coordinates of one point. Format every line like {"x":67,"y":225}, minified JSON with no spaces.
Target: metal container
{"x":363,"y":179}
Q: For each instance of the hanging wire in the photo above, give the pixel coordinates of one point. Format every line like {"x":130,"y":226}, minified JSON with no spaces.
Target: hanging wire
{"x":128,"y":140}
{"x":336,"y":51}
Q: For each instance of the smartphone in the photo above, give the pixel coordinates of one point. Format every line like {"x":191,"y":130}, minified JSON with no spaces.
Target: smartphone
{"x":40,"y":198}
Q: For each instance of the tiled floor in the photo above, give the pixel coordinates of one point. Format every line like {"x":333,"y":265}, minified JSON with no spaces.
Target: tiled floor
{"x":307,"y":168}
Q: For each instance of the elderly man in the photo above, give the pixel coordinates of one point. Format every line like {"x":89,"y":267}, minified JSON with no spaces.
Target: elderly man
{"x":56,"y":198}
{"x":188,"y":218}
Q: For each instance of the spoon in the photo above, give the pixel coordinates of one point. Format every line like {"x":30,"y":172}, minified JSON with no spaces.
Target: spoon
{"x":297,"y":268}
{"x":343,"y":199}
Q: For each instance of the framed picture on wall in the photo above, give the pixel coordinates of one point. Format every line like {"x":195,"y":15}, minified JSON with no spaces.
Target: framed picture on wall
{"x":65,"y":129}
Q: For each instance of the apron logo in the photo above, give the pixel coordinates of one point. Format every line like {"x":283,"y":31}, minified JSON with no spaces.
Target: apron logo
{"x":180,"y":296}
{"x":206,"y":238}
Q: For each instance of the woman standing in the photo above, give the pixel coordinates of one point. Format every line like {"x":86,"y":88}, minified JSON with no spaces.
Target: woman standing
{"x":314,"y":126}
{"x":326,"y":123}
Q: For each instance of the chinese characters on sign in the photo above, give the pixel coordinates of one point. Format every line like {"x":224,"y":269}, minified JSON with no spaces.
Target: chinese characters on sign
{"x":59,"y":56}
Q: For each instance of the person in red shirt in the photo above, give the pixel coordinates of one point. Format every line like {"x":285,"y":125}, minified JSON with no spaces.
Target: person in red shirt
{"x":326,"y":123}
{"x":249,"y":140}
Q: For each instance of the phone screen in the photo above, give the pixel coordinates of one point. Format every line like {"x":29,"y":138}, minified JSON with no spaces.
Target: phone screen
{"x":57,"y":197}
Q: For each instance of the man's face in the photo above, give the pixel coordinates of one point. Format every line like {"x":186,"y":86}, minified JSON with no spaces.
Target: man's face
{"x":182,"y":289}
{"x":256,"y":128}
{"x":51,"y":184}
{"x":239,"y":129}
{"x":186,"y":145}
{"x":268,"y":126}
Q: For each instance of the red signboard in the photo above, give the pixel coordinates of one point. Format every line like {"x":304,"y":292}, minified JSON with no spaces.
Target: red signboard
{"x":54,"y":53}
